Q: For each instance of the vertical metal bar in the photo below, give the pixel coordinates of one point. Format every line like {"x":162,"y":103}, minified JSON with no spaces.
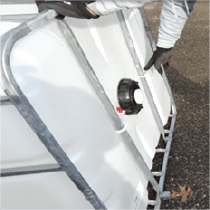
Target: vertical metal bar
{"x":165,"y":158}
{"x":27,"y":111}
{"x":152,"y":43}
{"x":133,"y":151}
{"x":174,"y":113}
{"x":147,"y":28}
{"x":169,"y":91}
{"x":140,"y":71}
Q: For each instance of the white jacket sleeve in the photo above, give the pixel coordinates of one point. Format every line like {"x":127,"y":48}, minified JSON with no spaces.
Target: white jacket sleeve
{"x":105,"y":7}
{"x":173,"y":17}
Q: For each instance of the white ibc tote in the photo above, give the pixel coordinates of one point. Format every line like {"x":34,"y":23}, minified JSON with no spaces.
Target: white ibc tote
{"x":59,"y":84}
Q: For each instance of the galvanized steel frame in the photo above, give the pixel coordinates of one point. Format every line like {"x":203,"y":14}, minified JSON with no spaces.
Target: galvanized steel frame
{"x":17,"y":18}
{"x":140,"y":71}
{"x":14,"y":93}
{"x":17,"y":2}
{"x":173,"y":115}
{"x":26,"y":110}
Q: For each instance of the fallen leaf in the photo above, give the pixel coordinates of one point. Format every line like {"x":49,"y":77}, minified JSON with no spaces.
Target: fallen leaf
{"x":207,"y":27}
{"x":183,"y":193}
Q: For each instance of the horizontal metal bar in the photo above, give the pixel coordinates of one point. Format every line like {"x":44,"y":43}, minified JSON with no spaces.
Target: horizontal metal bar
{"x":5,"y":100}
{"x":154,"y":173}
{"x":151,"y":202}
{"x":5,"y":172}
{"x":165,"y":195}
{"x":171,"y":115}
{"x":161,"y":150}
{"x":17,"y":2}
{"x":17,"y":17}
{"x":167,"y":131}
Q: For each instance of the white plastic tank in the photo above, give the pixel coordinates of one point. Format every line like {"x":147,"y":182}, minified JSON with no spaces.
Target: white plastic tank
{"x":49,"y":74}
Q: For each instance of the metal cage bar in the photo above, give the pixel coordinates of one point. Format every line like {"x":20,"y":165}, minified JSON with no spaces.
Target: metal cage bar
{"x":30,"y":25}
{"x":27,"y":111}
{"x":168,"y":139}
{"x":136,"y":155}
{"x":17,"y":2}
{"x":20,"y":101}
{"x":30,"y":170}
{"x":17,"y":18}
{"x":173,"y":106}
{"x":140,"y":71}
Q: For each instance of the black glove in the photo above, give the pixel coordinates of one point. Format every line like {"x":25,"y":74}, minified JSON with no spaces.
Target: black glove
{"x":76,"y":9}
{"x":160,"y":57}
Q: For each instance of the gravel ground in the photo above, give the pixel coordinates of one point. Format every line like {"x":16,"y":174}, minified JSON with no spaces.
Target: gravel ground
{"x":188,"y":76}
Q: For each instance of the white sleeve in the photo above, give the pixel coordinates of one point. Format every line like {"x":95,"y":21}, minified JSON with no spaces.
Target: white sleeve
{"x":172,"y":21}
{"x":105,"y":7}
{"x":173,"y":16}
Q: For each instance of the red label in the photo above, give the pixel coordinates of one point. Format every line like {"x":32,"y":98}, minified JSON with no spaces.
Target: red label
{"x":119,"y":110}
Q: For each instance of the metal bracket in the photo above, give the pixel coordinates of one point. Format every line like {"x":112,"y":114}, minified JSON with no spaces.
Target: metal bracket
{"x":165,"y":195}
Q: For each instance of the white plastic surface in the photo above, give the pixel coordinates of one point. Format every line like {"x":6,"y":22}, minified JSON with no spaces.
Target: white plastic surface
{"x":138,"y":96}
{"x":8,"y":11}
{"x":51,"y":77}
{"x":18,"y":9}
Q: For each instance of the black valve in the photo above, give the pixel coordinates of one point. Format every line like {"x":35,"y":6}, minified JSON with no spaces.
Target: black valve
{"x":125,"y":93}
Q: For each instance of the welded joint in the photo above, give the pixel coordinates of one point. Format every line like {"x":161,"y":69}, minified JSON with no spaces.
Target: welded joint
{"x":5,"y":100}
{"x":165,"y":195}
{"x":122,"y":130}
{"x":153,"y":202}
{"x":167,"y":131}
{"x":165,"y":138}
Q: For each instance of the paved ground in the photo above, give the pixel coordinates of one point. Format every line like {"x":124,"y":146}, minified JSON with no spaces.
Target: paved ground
{"x":189,"y":78}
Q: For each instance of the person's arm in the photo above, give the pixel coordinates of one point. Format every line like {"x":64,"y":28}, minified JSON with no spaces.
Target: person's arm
{"x":173,"y":17}
{"x":106,"y":7}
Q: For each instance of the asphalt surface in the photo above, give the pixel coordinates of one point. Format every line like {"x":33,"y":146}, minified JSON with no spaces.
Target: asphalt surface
{"x":188,"y":76}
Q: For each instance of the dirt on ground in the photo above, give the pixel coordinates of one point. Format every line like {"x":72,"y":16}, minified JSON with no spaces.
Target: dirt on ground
{"x":188,"y":75}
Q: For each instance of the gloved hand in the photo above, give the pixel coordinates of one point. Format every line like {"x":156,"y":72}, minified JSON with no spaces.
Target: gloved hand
{"x":76,"y":9}
{"x":160,"y":57}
